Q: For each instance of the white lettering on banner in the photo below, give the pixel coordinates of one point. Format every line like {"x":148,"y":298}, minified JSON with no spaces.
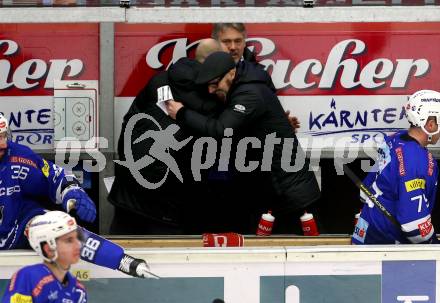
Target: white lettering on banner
{"x":179,"y":51}
{"x":410,"y":299}
{"x":34,"y":69}
{"x":372,"y":76}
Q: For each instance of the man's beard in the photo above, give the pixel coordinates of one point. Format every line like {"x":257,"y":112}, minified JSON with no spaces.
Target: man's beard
{"x":221,"y":95}
{"x":236,"y":56}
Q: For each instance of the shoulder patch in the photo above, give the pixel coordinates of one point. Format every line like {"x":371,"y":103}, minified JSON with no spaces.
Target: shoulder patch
{"x":399,"y":154}
{"x":430,"y":164}
{"x":21,"y":160}
{"x":45,"y":280}
{"x":12,"y":284}
{"x":19,"y":298}
{"x":45,"y":169}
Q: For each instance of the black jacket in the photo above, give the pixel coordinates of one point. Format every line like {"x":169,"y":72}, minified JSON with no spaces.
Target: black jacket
{"x":253,"y":110}
{"x":166,"y":202}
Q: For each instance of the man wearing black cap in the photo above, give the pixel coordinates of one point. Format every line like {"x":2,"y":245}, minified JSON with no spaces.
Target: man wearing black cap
{"x":252,"y":109}
{"x":140,"y":210}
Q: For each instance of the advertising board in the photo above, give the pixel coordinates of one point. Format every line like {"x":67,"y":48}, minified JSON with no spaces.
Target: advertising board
{"x":264,"y":275}
{"x":346,"y":82}
{"x":32,"y":56}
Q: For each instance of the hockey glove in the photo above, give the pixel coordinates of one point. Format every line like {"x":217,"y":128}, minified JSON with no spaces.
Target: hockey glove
{"x":84,"y":206}
{"x":136,"y":267}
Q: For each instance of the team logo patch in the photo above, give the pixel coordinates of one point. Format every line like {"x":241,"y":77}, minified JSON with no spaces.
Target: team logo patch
{"x":19,"y":298}
{"x":415,"y":184}
{"x":425,"y":228}
{"x":45,"y":168}
{"x":399,"y":154}
{"x":239,"y":108}
{"x":360,"y":230}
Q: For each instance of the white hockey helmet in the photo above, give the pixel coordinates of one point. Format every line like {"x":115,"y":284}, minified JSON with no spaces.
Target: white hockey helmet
{"x":420,"y":106}
{"x":4,"y":124}
{"x":47,"y":228}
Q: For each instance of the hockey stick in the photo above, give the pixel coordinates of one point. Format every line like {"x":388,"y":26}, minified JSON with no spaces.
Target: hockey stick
{"x":351,"y":175}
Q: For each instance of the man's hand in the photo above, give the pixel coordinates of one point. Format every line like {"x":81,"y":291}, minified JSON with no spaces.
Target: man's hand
{"x":84,"y":206}
{"x":293,"y":121}
{"x":136,"y":267}
{"x":173,"y":107}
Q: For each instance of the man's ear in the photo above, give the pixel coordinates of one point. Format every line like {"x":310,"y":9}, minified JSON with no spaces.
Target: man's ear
{"x":47,"y":251}
{"x":431,"y":125}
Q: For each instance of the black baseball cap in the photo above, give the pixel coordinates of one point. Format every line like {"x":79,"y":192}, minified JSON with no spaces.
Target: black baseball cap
{"x":216,"y":65}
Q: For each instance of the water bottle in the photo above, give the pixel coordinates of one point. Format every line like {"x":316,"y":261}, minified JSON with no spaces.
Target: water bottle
{"x":266,"y":224}
{"x":308,"y":225}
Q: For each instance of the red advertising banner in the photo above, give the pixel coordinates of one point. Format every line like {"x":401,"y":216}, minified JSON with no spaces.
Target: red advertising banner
{"x":303,"y":59}
{"x":33,"y":55}
{"x":346,"y":82}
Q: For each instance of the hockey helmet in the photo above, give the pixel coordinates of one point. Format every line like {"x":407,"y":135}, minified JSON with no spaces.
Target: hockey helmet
{"x":420,"y":106}
{"x":47,"y":228}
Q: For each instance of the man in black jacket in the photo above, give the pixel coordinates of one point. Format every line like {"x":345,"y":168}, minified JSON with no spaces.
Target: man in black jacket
{"x":232,"y":39}
{"x":165,"y":209}
{"x":252,"y":109}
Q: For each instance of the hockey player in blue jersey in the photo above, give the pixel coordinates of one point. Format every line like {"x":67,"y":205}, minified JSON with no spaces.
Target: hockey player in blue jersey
{"x":405,"y":179}
{"x":25,"y":179}
{"x":55,"y":237}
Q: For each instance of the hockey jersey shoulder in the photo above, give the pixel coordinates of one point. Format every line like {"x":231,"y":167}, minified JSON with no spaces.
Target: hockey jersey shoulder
{"x":30,"y":280}
{"x":411,"y":157}
{"x":23,"y":155}
{"x":20,"y":149}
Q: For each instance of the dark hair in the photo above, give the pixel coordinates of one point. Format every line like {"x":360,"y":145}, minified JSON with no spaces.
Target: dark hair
{"x":219,"y":27}
{"x":432,"y":118}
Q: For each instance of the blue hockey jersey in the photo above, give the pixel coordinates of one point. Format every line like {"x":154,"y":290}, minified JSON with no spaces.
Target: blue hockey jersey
{"x":37,"y":284}
{"x":25,"y":177}
{"x":405,"y":182}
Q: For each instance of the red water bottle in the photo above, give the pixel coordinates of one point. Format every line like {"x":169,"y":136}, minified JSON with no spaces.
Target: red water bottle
{"x":222,"y":240}
{"x":266,"y":224}
{"x":308,"y":225}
